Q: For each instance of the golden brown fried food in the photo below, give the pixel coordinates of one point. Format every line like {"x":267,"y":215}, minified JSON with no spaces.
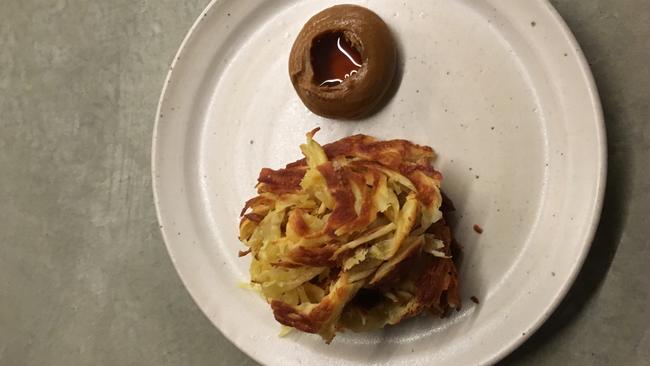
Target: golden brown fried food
{"x":351,"y":237}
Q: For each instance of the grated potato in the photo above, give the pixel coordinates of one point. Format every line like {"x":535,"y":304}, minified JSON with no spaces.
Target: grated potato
{"x":351,"y":237}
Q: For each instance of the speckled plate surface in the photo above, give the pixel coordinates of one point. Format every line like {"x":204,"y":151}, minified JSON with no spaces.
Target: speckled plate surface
{"x":499,"y":88}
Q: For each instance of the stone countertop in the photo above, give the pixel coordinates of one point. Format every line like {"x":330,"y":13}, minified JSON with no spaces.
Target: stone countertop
{"x":84,"y":276}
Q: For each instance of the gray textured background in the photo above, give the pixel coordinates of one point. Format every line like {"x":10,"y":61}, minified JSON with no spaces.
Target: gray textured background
{"x":84,"y":276}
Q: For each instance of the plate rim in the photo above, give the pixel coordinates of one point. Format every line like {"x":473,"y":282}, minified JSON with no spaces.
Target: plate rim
{"x":601,"y":183}
{"x":593,"y":221}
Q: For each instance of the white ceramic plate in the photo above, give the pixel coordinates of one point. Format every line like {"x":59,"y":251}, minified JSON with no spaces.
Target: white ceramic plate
{"x":499,"y":88}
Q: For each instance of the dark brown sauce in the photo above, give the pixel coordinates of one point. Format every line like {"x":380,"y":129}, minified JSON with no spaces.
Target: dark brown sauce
{"x":334,"y":59}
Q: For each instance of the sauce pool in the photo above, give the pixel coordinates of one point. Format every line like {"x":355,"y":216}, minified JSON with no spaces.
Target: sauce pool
{"x":334,"y":59}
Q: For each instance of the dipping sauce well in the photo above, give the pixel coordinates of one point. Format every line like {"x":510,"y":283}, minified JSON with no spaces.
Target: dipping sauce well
{"x":343,"y":62}
{"x":334,"y":59}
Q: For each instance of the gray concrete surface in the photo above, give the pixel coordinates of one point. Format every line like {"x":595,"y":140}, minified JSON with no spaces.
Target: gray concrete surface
{"x":84,"y":276}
